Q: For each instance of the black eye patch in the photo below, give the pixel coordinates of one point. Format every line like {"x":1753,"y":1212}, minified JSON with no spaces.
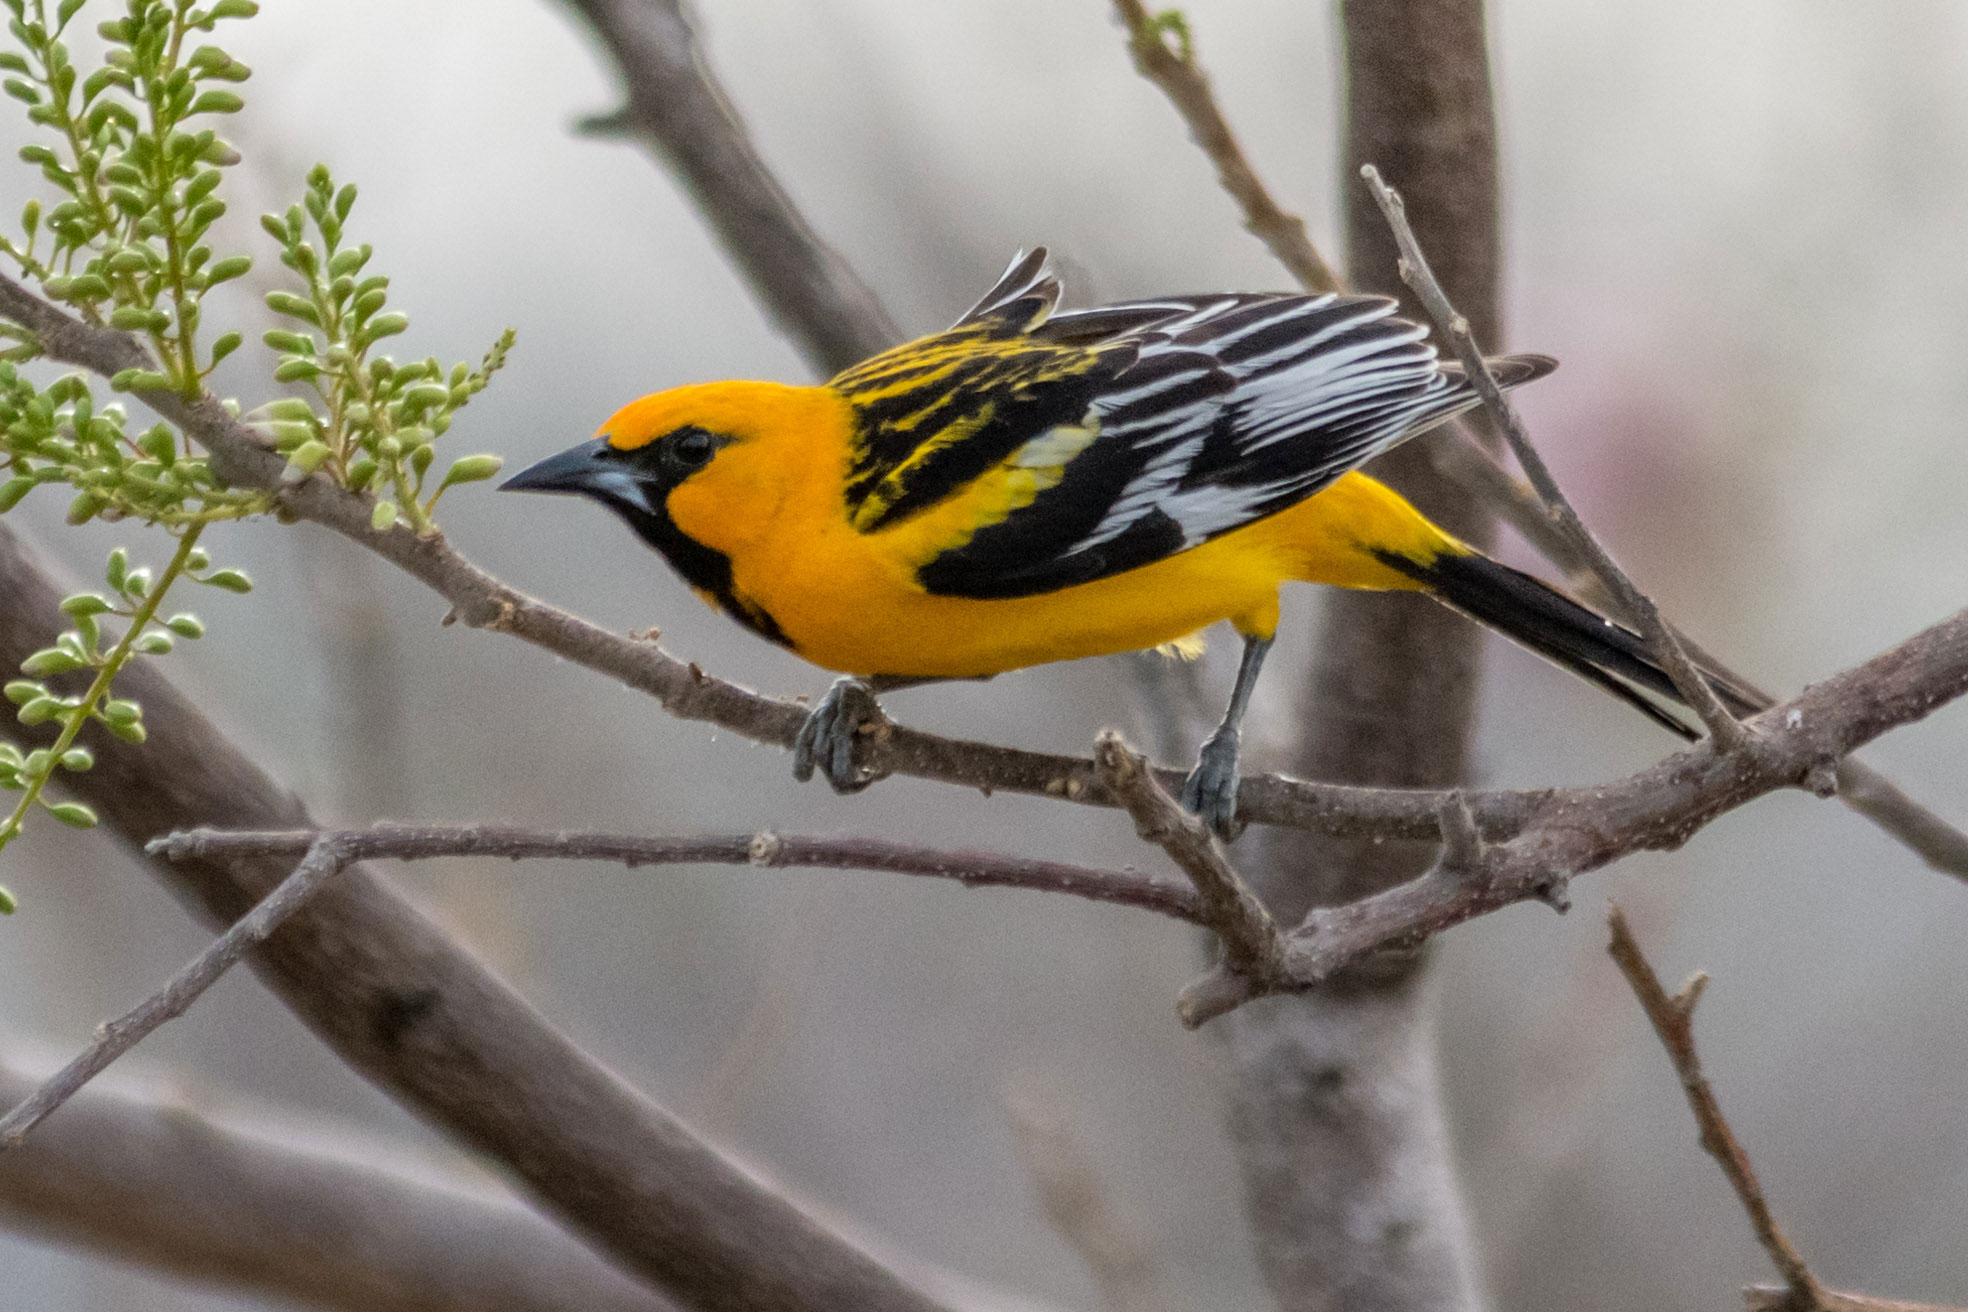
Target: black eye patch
{"x":690,"y":448}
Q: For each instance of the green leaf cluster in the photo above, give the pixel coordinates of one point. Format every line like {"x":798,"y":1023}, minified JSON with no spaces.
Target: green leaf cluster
{"x":132,"y":596}
{"x":372,"y":420}
{"x":137,"y":167}
{"x":126,"y":242}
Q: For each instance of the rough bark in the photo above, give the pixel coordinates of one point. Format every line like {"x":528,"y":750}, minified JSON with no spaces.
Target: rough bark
{"x":1334,"y":1104}
{"x":417,"y":1016}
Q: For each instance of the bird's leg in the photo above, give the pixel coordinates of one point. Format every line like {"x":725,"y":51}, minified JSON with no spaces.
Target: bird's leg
{"x":1211,"y":788}
{"x":826,"y":740}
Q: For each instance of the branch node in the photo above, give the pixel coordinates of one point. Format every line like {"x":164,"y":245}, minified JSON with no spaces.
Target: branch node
{"x":1462,"y":843}
{"x":765,"y":848}
{"x":1555,"y":891}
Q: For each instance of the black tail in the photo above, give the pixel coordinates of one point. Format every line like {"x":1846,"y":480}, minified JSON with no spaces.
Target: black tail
{"x":1531,"y":612}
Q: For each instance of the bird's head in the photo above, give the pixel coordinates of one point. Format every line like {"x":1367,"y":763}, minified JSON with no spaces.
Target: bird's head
{"x":708,"y":463}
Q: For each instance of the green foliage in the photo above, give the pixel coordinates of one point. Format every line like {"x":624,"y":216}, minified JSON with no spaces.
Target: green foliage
{"x":137,"y":167}
{"x":372,"y":421}
{"x":133,"y":596}
{"x":126,"y":242}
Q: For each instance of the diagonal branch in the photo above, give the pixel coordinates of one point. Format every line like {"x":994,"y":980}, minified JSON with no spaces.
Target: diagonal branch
{"x":423,"y":1020}
{"x":1673,"y":1021}
{"x":676,"y":108}
{"x":684,"y":690}
{"x":324,"y":860}
{"x":241,"y":1210}
{"x":1174,"y":69}
{"x":1666,"y":647}
{"x":1253,"y":948}
{"x":1465,"y":462}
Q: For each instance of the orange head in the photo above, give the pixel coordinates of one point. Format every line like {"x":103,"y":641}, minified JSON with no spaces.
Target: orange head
{"x":697,"y":471}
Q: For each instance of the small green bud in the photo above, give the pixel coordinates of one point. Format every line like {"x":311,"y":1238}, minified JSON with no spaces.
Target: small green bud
{"x":385,"y":325}
{"x":138,"y":380}
{"x":382,"y":518}
{"x":280,"y":339}
{"x":40,"y":711}
{"x":73,"y":814}
{"x":7,"y":903}
{"x":78,"y":759}
{"x":227,"y":343}
{"x":297,"y":368}
{"x":232,"y":266}
{"x":304,"y":459}
{"x":215,"y":101}
{"x":84,"y":603}
{"x":471,"y":469}
{"x":13,"y":490}
{"x":133,"y":732}
{"x":85,"y":507}
{"x":118,"y":568}
{"x":120,"y":710}
{"x":22,"y":691}
{"x":186,"y":626}
{"x":156,"y":644}
{"x":49,"y":660}
{"x":231,"y":580}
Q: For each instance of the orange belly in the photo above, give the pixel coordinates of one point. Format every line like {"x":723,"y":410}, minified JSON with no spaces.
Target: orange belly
{"x":849,"y":602}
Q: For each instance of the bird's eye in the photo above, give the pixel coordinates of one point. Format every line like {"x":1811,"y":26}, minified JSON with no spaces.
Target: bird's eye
{"x":692,"y":446}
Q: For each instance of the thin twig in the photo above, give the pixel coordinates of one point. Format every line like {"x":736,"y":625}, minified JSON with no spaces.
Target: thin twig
{"x":324,"y":860}
{"x":685,"y":691}
{"x":1673,"y":1021}
{"x":1667,"y":649}
{"x":1174,"y":69}
{"x":1253,"y":948}
{"x":1465,"y":461}
{"x":765,"y":849}
{"x":675,"y":106}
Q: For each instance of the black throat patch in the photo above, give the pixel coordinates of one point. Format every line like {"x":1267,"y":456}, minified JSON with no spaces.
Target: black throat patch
{"x":703,"y":568}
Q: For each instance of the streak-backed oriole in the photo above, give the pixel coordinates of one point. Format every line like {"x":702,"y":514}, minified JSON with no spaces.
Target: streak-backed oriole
{"x":1033,"y":486}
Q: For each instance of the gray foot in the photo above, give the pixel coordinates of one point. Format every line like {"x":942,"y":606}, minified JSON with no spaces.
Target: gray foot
{"x":826,"y":740}
{"x":1210,"y":791}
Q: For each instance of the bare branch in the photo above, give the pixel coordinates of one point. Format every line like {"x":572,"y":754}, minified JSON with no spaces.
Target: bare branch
{"x":1174,"y":69}
{"x":420,"y":1017}
{"x":162,"y":1185}
{"x":676,"y":108}
{"x":1659,"y":808}
{"x":1253,"y":948}
{"x":1666,"y":647}
{"x":1465,"y":462}
{"x":1673,"y":1020}
{"x":1778,"y":1298}
{"x":684,"y":690}
{"x":766,"y":850}
{"x":324,"y":860}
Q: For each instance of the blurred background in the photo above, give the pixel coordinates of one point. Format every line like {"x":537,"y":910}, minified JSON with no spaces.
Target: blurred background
{"x":1740,"y":227}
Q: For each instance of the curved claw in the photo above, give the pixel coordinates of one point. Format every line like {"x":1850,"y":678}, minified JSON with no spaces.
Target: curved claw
{"x":1210,"y":791}
{"x":826,"y":740}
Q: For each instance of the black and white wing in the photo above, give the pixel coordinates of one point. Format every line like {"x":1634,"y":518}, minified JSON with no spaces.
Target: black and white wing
{"x":1233,"y":408}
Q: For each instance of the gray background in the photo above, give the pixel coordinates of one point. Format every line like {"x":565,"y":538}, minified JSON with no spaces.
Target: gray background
{"x":1737,"y":224}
